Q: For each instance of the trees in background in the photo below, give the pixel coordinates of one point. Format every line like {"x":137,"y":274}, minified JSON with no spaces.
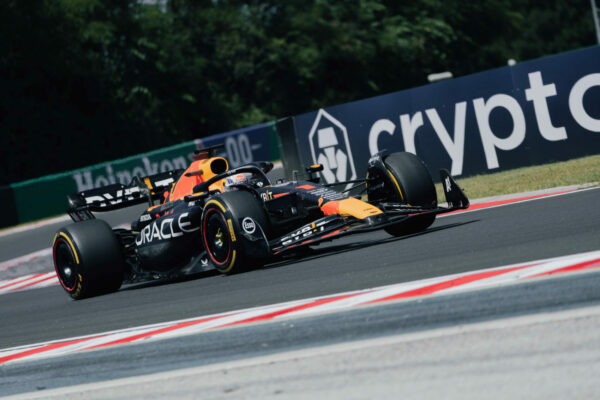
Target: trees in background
{"x":83,"y":81}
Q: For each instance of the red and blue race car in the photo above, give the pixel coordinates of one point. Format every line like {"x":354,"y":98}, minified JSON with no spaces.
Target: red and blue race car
{"x":211,"y":217}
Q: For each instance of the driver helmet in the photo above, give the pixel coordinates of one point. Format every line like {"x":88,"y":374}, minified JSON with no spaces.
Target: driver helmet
{"x":235,"y":180}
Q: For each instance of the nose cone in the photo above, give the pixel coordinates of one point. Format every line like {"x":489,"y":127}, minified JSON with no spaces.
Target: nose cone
{"x":376,"y":219}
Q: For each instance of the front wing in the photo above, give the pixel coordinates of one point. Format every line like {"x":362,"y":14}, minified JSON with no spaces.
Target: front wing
{"x":335,"y":226}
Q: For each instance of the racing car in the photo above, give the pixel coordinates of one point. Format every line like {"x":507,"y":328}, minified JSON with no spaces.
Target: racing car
{"x":209,"y":216}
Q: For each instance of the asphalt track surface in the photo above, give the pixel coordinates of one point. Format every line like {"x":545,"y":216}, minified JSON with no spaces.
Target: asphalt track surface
{"x":402,"y":318}
{"x":487,"y":238}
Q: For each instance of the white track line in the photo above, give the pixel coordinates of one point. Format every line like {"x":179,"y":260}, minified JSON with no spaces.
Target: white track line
{"x":340,"y":301}
{"x":543,"y":267}
{"x":503,"y":203}
{"x":486,"y":326}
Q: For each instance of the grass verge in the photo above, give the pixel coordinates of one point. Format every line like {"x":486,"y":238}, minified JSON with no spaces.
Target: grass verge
{"x":565,"y":173}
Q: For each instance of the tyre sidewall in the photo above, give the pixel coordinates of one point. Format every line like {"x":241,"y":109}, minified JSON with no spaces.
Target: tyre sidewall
{"x":410,"y":176}
{"x":99,"y":262}
{"x":248,"y":250}
{"x":216,"y":207}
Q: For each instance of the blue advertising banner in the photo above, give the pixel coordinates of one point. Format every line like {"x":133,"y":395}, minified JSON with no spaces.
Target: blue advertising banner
{"x":531,"y":113}
{"x":242,"y":146}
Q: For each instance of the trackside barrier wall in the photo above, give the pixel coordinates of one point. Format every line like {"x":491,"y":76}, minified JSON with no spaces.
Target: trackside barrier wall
{"x":531,"y":113}
{"x":47,"y":196}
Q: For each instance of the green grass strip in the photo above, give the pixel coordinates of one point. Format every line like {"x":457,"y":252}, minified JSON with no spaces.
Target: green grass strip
{"x":527,"y":179}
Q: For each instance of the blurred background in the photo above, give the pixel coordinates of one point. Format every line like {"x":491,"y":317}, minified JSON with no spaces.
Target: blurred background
{"x":83,"y":81}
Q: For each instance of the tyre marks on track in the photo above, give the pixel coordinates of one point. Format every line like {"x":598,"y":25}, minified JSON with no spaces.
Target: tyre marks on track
{"x":337,"y":302}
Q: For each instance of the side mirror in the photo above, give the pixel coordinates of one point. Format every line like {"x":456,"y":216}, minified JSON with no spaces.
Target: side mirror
{"x":266,"y":166}
{"x":312,"y":172}
{"x":314,"y":168}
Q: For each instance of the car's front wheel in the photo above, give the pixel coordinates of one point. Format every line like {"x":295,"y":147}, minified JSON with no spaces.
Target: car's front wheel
{"x":406,"y":180}
{"x":235,"y":228}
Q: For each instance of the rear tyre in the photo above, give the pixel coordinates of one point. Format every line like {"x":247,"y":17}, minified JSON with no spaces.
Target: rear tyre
{"x":88,"y":259}
{"x":229,"y":222}
{"x":409,"y":182}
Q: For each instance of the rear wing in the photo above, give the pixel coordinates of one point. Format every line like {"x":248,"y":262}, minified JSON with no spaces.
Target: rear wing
{"x":116,"y":196}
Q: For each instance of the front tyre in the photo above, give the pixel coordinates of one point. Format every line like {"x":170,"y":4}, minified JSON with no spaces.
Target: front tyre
{"x":88,"y":259}
{"x":409,"y":182}
{"x":235,"y":229}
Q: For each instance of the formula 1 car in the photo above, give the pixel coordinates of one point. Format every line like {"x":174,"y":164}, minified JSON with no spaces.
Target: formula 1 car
{"x":212,"y":217}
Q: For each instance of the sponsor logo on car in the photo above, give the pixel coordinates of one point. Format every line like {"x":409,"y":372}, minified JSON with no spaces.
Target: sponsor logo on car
{"x":248,"y":225}
{"x":114,"y":198}
{"x":145,"y":217}
{"x":304,"y":232}
{"x":165,"y":228}
{"x":266,"y":196}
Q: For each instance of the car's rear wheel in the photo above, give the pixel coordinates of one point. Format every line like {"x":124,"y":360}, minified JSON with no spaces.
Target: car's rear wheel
{"x":235,"y":228}
{"x":88,"y":259}
{"x":408,"y":181}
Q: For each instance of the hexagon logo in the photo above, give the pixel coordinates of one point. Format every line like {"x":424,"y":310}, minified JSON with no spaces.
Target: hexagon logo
{"x":330,"y":147}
